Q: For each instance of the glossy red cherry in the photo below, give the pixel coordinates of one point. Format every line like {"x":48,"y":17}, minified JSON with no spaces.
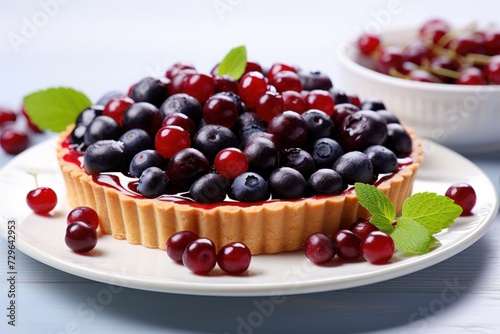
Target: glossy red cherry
{"x":347,"y":245}
{"x":83,"y":214}
{"x":182,"y":120}
{"x":200,"y":256}
{"x":6,"y":116}
{"x":234,"y":258}
{"x":463,"y":194}
{"x":42,"y":200}
{"x":269,"y":105}
{"x":171,"y":139}
{"x":220,"y":110}
{"x":116,"y":107}
{"x":252,"y":86}
{"x":368,"y":43}
{"x":319,"y":248}
{"x":177,"y":243}
{"x":279,"y":67}
{"x":200,"y":86}
{"x":286,"y":80}
{"x":322,"y":100}
{"x":378,"y":247}
{"x":362,"y":228}
{"x":231,"y":162}
{"x":294,"y":101}
{"x":13,"y":141}
{"x":80,"y":237}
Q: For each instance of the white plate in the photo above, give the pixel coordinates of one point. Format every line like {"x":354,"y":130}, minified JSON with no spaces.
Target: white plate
{"x":117,"y":262}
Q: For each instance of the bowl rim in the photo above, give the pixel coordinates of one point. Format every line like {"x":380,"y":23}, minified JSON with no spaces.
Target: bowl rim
{"x":347,"y":50}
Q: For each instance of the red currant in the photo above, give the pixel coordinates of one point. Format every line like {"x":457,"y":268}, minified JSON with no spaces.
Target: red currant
{"x":200,"y":86}
{"x":171,"y":139}
{"x":41,"y":200}
{"x":368,"y":43}
{"x":319,"y":248}
{"x":234,"y":258}
{"x":181,"y":120}
{"x":220,"y":110}
{"x":347,"y":245}
{"x":464,"y":195}
{"x":6,"y":116}
{"x":14,"y":141}
{"x":116,"y":107}
{"x":362,"y":228}
{"x":83,"y":214}
{"x":322,"y":100}
{"x":294,"y":101}
{"x":286,"y":80}
{"x":231,"y":162}
{"x":252,"y":86}
{"x":200,"y":256}
{"x":269,"y":105}
{"x":378,"y":247}
{"x":80,"y":237}
{"x":177,"y":243}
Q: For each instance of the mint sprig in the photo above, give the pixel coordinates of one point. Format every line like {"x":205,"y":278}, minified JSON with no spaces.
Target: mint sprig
{"x":422,"y":216}
{"x":234,"y":63}
{"x":55,"y":108}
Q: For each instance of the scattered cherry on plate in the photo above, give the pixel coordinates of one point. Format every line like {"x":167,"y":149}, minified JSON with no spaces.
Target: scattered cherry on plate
{"x":463,"y":194}
{"x":41,"y":200}
{"x":234,"y":258}
{"x":84,"y":214}
{"x":199,"y":256}
{"x":177,"y":243}
{"x":80,"y":237}
{"x":318,"y":248}
{"x":14,"y":141}
{"x":378,"y":247}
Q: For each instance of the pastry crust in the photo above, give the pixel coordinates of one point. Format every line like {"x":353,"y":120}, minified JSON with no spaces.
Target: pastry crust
{"x":272,"y":227}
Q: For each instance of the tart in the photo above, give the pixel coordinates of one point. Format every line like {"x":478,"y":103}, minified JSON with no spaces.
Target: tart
{"x":148,"y":208}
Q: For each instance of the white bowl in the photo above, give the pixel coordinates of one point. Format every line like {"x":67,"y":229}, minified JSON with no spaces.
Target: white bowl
{"x":464,"y":118}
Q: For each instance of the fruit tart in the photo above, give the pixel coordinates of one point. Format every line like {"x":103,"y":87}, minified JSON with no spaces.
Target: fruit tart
{"x":265,"y":160}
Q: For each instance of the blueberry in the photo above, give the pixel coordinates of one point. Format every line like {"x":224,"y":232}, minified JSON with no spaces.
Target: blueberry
{"x":186,"y":166}
{"x":152,"y":183}
{"x":103,"y":100}
{"x":77,"y":134}
{"x":398,"y":140}
{"x":136,"y":140}
{"x":143,"y":160}
{"x":373,"y":104}
{"x":211,"y":139}
{"x":150,"y":90}
{"x":315,"y":80}
{"x":355,"y":167}
{"x":143,"y":115}
{"x":388,"y":116}
{"x":299,"y":160}
{"x":287,"y":183}
{"x":210,"y":188}
{"x":250,"y":187}
{"x":102,"y":127}
{"x":383,"y":159}
{"x":262,"y":156}
{"x":319,"y":123}
{"x":182,"y":103}
{"x":340,"y":96}
{"x":326,"y":181}
{"x":247,"y":124}
{"x":87,"y":116}
{"x":325,"y":152}
{"x":105,"y":156}
{"x":289,"y":130}
{"x":362,"y":129}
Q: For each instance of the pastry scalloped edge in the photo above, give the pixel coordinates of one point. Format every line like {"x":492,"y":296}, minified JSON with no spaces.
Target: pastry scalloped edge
{"x":268,"y":228}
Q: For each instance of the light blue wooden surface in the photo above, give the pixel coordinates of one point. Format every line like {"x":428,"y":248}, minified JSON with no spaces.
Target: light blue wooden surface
{"x":96,"y":46}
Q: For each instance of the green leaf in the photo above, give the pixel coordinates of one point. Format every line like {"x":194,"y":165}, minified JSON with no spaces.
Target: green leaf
{"x":411,"y":237}
{"x":378,"y":204}
{"x":55,"y":108}
{"x":234,"y":63}
{"x":434,"y":212}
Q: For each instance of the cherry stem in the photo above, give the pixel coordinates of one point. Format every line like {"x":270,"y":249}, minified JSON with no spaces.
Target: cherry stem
{"x":36,"y":178}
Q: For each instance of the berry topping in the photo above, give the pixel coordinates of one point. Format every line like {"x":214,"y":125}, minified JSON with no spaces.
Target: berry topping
{"x":289,"y":130}
{"x":269,"y":105}
{"x":80,"y":237}
{"x":220,"y":109}
{"x":210,"y":188}
{"x":181,"y":120}
{"x":286,"y":182}
{"x":211,"y":139}
{"x":362,"y":129}
{"x":83,"y":214}
{"x":322,"y":100}
{"x":152,"y":182}
{"x":143,"y":160}
{"x":199,"y":86}
{"x":383,"y":159}
{"x":177,"y":244}
{"x":252,"y":86}
{"x":117,"y":107}
{"x":150,"y":90}
{"x":319,"y":124}
{"x":171,"y":139}
{"x":325,"y":152}
{"x":234,"y":258}
{"x":250,"y":187}
{"x":398,"y":140}
{"x":326,"y":181}
{"x":319,"y":248}
{"x":87,"y":116}
{"x":182,"y":103}
{"x":135,"y":141}
{"x":200,"y":256}
{"x":294,"y":101}
{"x":143,"y":115}
{"x":299,"y":160}
{"x":286,"y":80}
{"x":105,"y":156}
{"x":315,"y":80}
{"x":355,"y":167}
{"x":102,"y":127}
{"x":262,"y":156}
{"x":187,"y":166}
{"x":231,"y":162}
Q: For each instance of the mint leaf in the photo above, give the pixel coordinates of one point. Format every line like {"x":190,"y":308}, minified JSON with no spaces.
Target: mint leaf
{"x":434,"y":212}
{"x":234,"y":63}
{"x":411,"y":237}
{"x":55,"y":108}
{"x":378,"y":204}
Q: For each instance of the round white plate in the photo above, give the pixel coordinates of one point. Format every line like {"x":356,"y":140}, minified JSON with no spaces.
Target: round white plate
{"x":117,"y":262}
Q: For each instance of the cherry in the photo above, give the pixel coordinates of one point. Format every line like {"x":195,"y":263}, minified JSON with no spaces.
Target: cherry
{"x":200,"y":256}
{"x":116,"y":108}
{"x":269,"y":105}
{"x":319,"y":248}
{"x":253,"y":67}
{"x":322,"y":100}
{"x":171,"y":139}
{"x":176,"y":68}
{"x":83,"y":214}
{"x":347,"y":245}
{"x":433,"y":30}
{"x":234,"y":258}
{"x":491,"y":41}
{"x":182,"y":120}
{"x":6,"y":116}
{"x":416,"y":52}
{"x":464,"y":195}
{"x":225,"y":83}
{"x":492,"y":70}
{"x":177,"y":243}
{"x":378,"y":247}
{"x":179,"y":80}
{"x":391,"y":57}
{"x":362,"y":228}
{"x":80,"y":237}
{"x":231,"y":162}
{"x":471,"y":76}
{"x":294,"y":101}
{"x":220,"y":110}
{"x":279,"y":67}
{"x":465,"y":44}
{"x":14,"y":141}
{"x":281,"y":128}
{"x":368,"y":43}
{"x":41,"y":200}
{"x":252,"y":86}
{"x":199,"y":86}
{"x":286,"y":80}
